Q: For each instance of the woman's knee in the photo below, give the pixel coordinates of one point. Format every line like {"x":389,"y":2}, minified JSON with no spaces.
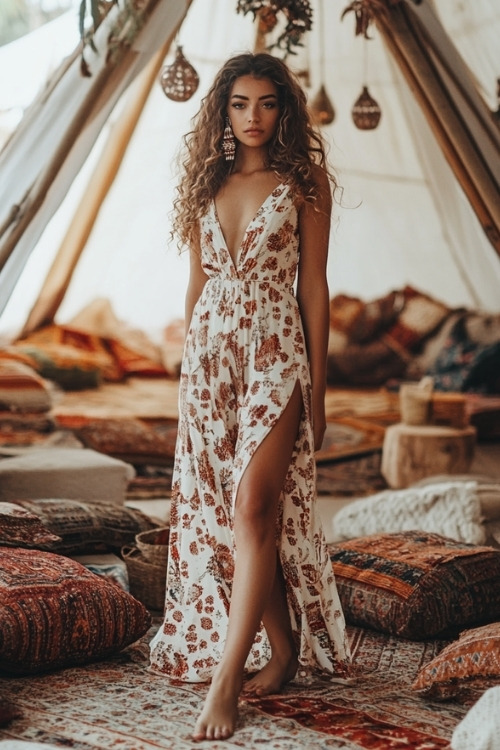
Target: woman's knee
{"x":255,"y":505}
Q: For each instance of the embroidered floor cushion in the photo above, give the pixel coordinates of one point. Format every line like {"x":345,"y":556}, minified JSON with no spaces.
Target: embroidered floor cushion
{"x":136,"y":441}
{"x":416,"y":585}
{"x":86,"y":526}
{"x":472,"y":661}
{"x":55,"y":613}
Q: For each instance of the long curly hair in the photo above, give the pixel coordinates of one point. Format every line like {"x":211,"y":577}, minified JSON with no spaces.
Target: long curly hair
{"x":293,"y":152}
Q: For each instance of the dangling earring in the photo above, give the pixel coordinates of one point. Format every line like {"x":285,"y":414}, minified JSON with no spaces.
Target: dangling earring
{"x":228,"y":141}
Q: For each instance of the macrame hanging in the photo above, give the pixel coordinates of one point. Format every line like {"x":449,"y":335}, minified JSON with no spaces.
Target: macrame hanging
{"x":179,"y":80}
{"x":321,"y":107}
{"x":366,"y":112}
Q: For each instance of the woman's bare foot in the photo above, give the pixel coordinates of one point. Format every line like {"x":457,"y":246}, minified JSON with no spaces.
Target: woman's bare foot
{"x":272,"y":677}
{"x":219,"y":715}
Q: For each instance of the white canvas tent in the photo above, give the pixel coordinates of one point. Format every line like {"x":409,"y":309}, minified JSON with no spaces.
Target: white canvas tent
{"x":404,"y":218}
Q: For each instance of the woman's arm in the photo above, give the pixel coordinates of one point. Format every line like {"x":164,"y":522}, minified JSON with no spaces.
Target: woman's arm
{"x":197,"y":280}
{"x":313,"y":295}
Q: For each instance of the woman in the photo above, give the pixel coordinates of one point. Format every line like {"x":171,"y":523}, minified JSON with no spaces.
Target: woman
{"x":250,"y":588}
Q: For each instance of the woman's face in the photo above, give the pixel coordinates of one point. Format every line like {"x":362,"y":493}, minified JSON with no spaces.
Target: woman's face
{"x":253,"y":110}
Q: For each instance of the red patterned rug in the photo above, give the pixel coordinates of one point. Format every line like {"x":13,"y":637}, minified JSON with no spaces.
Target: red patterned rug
{"x":118,"y":703}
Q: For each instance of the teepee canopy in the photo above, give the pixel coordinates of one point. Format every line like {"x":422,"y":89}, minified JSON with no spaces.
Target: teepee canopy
{"x":87,"y":177}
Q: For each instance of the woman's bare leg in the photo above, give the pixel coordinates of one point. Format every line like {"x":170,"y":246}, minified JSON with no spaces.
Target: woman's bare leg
{"x":255,"y":570}
{"x":283,"y":664}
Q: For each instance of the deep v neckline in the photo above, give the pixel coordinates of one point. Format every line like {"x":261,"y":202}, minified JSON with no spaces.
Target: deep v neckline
{"x":236,"y":258}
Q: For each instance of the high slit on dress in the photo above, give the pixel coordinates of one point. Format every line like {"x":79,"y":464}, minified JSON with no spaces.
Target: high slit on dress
{"x":244,"y":353}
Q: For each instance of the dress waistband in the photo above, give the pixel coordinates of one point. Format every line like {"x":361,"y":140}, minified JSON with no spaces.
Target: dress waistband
{"x":246,"y":285}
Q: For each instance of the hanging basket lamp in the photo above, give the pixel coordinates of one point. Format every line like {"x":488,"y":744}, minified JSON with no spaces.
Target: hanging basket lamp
{"x":179,"y":80}
{"x":321,"y":108}
{"x":366,"y":112}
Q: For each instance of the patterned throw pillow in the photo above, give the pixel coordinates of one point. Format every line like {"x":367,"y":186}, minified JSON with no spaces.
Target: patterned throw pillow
{"x":20,"y":528}
{"x":473,"y":661}
{"x":416,"y":585}
{"x":55,"y":613}
{"x":86,"y":526}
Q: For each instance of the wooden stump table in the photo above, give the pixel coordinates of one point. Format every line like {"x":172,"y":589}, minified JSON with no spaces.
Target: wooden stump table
{"x":412,"y":452}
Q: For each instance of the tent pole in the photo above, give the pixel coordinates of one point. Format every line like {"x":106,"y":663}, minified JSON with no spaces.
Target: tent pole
{"x":80,"y":228}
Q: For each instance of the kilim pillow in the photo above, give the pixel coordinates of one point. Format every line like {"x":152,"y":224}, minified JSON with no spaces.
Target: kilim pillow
{"x":473,"y":661}
{"x":86,"y":526}
{"x":416,"y":585}
{"x":55,"y":613}
{"x":20,"y":528}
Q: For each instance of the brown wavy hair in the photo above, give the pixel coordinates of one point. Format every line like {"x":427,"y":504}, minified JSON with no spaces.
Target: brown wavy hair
{"x":293,"y":152}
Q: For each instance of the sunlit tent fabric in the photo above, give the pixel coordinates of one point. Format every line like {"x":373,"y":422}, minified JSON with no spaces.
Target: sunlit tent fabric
{"x":404,"y":218}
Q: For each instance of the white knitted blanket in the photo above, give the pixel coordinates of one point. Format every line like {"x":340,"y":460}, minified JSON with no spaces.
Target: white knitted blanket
{"x":451,"y":509}
{"x":480,"y":727}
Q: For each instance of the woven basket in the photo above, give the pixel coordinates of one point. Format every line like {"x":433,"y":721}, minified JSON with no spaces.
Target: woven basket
{"x":154,"y":545}
{"x":147,"y":581}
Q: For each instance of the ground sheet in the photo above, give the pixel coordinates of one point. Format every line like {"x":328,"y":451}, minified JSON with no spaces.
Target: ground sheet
{"x":118,"y":703}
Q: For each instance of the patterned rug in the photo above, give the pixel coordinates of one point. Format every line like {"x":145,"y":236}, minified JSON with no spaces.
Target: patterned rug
{"x":118,"y":704}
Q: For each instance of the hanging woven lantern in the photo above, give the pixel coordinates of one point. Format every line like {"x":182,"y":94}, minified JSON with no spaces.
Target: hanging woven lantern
{"x":179,"y":80}
{"x":321,"y":108}
{"x":366,"y":112}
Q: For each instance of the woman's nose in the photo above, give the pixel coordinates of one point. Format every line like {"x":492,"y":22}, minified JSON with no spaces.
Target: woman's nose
{"x":253,"y":114}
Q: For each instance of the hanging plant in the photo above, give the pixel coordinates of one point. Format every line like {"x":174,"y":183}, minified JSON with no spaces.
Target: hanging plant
{"x":90,"y":16}
{"x":129,"y":21}
{"x":365,"y":11}
{"x":296,"y":13}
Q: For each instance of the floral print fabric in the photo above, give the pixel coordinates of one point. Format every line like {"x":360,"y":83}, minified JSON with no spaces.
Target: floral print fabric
{"x":244,"y":353}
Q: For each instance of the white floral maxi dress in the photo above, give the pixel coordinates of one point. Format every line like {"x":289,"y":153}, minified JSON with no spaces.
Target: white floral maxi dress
{"x":243,"y":355}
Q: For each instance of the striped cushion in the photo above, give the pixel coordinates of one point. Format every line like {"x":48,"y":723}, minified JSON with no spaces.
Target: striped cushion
{"x":22,"y":389}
